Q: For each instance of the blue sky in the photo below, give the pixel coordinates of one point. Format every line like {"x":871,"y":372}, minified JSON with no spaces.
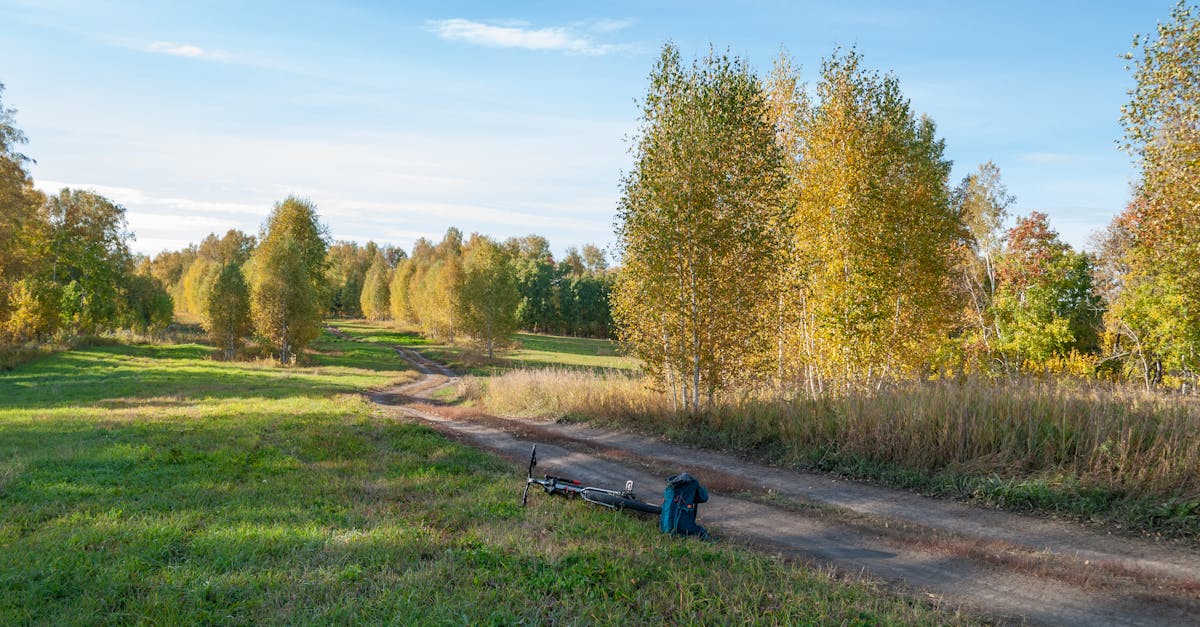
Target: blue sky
{"x":401,"y":119}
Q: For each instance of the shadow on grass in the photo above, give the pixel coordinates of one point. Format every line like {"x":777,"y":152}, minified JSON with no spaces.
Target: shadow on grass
{"x":164,"y":375}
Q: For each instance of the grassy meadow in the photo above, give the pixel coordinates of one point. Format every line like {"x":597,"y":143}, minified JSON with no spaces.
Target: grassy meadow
{"x":527,"y":351}
{"x":151,"y":484}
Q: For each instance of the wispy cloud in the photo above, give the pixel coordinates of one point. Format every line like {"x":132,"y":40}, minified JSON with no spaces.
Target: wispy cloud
{"x":188,"y":50}
{"x":1045,"y":158}
{"x":569,"y":39}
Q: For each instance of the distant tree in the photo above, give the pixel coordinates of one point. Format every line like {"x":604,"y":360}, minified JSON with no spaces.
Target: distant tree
{"x":536,"y":276}
{"x":487,"y":301}
{"x":982,"y":202}
{"x":400,"y":290}
{"x":572,"y":263}
{"x":196,"y":284}
{"x":694,"y":225}
{"x":393,"y":255}
{"x":90,"y":257}
{"x":1044,"y":303}
{"x":376,"y":292}
{"x":288,"y":282}
{"x":348,"y":264}
{"x":594,"y":259}
{"x":145,"y":304}
{"x":435,"y":284}
{"x":227,"y":318}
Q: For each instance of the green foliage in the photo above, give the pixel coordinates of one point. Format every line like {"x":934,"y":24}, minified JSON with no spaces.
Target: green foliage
{"x":487,"y":300}
{"x":1044,"y":305}
{"x":90,"y":257}
{"x":348,"y":265}
{"x":288,"y":283}
{"x":227,"y":313}
{"x":1154,"y":322}
{"x":146,"y":305}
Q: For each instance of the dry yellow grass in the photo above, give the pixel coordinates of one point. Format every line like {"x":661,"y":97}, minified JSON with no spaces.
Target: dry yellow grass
{"x":1126,"y":442}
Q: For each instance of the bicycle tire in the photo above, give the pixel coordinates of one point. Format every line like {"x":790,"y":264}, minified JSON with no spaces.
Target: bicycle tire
{"x":616,"y":501}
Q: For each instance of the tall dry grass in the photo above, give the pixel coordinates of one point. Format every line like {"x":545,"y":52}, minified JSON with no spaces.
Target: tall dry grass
{"x":1125,"y":441}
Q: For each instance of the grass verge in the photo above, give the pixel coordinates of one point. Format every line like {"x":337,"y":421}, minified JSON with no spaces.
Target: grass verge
{"x":149,"y":484}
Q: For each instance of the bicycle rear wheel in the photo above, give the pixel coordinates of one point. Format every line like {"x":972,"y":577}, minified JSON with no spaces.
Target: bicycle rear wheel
{"x":616,"y":501}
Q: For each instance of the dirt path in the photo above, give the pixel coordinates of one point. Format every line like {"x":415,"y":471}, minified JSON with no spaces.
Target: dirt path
{"x":1011,"y":568}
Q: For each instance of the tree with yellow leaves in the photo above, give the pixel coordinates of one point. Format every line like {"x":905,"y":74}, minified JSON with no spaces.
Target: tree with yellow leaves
{"x":695,"y":225}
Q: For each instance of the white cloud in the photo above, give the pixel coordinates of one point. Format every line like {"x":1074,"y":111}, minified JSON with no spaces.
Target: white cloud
{"x":187,"y":50}
{"x":130,"y":198}
{"x":607,"y":25}
{"x":521,"y":35}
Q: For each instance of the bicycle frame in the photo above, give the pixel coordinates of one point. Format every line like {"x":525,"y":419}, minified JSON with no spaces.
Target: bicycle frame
{"x":611,"y":499}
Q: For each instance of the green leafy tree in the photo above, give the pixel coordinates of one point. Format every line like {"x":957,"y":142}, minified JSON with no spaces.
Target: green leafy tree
{"x":487,"y":300}
{"x":1155,"y":318}
{"x":288,"y":281}
{"x":1044,"y":304}
{"x":227,"y":313}
{"x":145,"y":304}
{"x":348,"y":265}
{"x":595,"y":259}
{"x":694,"y":225}
{"x":89,"y":256}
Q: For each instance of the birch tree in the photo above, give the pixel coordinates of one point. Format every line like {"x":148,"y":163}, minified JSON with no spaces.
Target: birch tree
{"x":874,"y":231}
{"x":227,"y":312}
{"x":1157,"y":311}
{"x":694,"y":226}
{"x":288,"y":278}
{"x":376,"y":290}
{"x":487,"y":302}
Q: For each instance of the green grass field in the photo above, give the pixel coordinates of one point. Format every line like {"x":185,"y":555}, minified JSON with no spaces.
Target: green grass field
{"x":148,"y":484}
{"x":529,"y":350}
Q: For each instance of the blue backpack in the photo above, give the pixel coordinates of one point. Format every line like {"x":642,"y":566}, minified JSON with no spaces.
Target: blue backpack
{"x":681,"y":499}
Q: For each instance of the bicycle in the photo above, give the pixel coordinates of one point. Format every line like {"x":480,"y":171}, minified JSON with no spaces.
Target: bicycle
{"x":612,"y":499}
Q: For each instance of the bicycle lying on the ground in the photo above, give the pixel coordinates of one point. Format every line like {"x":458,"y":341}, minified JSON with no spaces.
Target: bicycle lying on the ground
{"x":613,"y":499}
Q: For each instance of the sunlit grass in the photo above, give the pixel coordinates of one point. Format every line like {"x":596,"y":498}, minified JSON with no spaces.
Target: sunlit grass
{"x":527,"y":350}
{"x":148,"y":484}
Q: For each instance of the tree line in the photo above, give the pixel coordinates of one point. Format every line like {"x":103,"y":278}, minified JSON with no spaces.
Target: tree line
{"x":65,"y":265}
{"x":815,"y":239}
{"x":478,"y":289}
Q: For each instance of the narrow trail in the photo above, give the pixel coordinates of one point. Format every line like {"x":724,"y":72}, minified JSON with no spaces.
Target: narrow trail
{"x":1010,"y":568}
